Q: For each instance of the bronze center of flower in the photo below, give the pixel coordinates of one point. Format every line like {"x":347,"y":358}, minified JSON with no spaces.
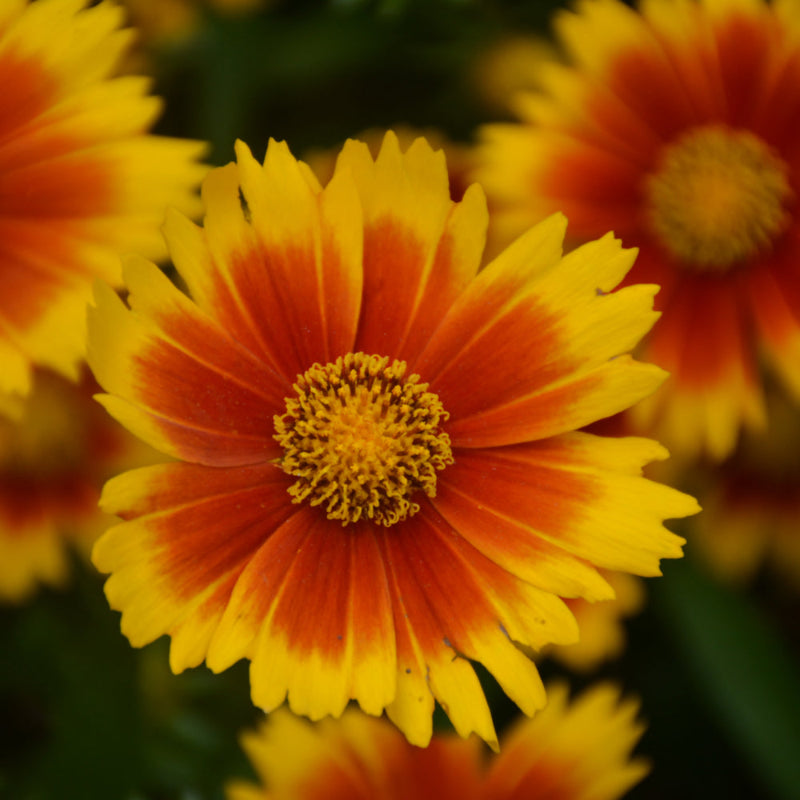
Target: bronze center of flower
{"x":362,"y":439}
{"x":49,"y":439}
{"x":718,"y":197}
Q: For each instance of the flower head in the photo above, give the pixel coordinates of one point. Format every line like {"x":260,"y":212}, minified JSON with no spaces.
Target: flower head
{"x":53,"y":462}
{"x":506,"y":67}
{"x":674,"y":127}
{"x":378,"y":478}
{"x":165,"y":22}
{"x":752,"y":502}
{"x":601,"y":624}
{"x":459,"y":156}
{"x":579,"y":750}
{"x":80,"y":180}
{"x":575,"y":751}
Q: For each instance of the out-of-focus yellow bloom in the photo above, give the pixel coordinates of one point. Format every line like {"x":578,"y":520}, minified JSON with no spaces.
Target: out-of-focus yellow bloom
{"x":507,"y":67}
{"x":570,"y":751}
{"x":80,"y":179}
{"x":601,"y":625}
{"x":675,"y":127}
{"x":53,"y":462}
{"x":752,"y":502}
{"x":163,"y":22}
{"x":459,"y":156}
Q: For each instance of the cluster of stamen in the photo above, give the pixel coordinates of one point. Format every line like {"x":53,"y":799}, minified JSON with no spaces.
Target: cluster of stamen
{"x":718,"y":197}
{"x":362,"y":439}
{"x":50,"y":439}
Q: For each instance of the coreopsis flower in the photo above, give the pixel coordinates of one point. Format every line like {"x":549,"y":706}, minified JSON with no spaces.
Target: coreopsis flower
{"x":753,"y":501}
{"x":573,"y":751}
{"x":674,"y":126}
{"x":378,"y":478}
{"x":459,"y":156}
{"x":53,"y":463}
{"x":164,"y":22}
{"x":167,"y":22}
{"x":506,"y":67}
{"x":602,"y":625}
{"x":80,"y":179}
{"x":576,"y":751}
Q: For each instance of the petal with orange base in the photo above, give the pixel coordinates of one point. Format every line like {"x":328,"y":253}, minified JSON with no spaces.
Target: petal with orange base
{"x":420,"y":249}
{"x":313,"y":613}
{"x":537,"y":346}
{"x":174,"y":391}
{"x":189,"y":532}
{"x":433,"y":601}
{"x":269,"y":220}
{"x":428,"y":666}
{"x":529,"y":486}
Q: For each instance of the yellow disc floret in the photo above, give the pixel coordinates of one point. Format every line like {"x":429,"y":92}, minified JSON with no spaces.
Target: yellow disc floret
{"x":362,"y":439}
{"x":718,"y":197}
{"x":50,"y":438}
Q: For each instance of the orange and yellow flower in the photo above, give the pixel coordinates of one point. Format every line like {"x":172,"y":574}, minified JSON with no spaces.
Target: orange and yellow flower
{"x":80,"y":180}
{"x":570,"y":751}
{"x":459,"y":156}
{"x":381,"y":479}
{"x":53,"y":463}
{"x":166,"y":22}
{"x":507,"y":67}
{"x":602,"y":624}
{"x":674,"y":127}
{"x":752,"y":502}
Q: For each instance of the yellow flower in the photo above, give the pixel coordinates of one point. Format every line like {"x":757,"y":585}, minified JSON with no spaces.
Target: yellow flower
{"x":164,"y":22}
{"x":380,"y":477}
{"x":161,"y":22}
{"x":53,"y":462}
{"x":675,"y":127}
{"x":459,"y":156}
{"x":80,"y":180}
{"x":601,"y":625}
{"x":753,"y":501}
{"x":570,"y":751}
{"x":507,"y":67}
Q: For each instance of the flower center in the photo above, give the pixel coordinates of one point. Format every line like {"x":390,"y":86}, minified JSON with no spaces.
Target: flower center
{"x":50,"y":437}
{"x":718,"y":197}
{"x":362,"y":439}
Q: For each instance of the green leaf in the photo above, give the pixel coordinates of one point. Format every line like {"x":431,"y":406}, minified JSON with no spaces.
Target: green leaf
{"x":743,"y":668}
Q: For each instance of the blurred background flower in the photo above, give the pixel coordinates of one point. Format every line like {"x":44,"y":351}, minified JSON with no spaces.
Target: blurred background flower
{"x":54,"y":460}
{"x":578,"y":750}
{"x":752,"y":502}
{"x":81,"y":179}
{"x":674,"y":127}
{"x":602,"y":625}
